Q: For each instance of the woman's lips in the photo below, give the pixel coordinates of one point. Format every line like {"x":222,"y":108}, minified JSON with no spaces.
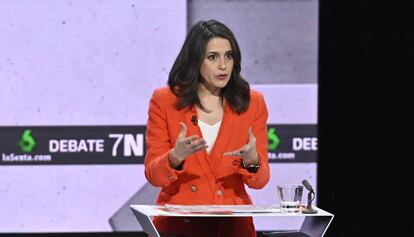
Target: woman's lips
{"x":222,"y":77}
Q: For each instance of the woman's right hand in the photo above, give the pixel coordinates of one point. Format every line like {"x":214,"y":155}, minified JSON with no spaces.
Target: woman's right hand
{"x":185,"y":146}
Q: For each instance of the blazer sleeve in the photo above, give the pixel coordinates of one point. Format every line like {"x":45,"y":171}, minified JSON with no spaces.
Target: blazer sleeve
{"x":157,"y":167}
{"x":260,"y":178}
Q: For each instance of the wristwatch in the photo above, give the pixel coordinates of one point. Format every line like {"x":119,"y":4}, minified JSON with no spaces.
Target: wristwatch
{"x":250,"y":168}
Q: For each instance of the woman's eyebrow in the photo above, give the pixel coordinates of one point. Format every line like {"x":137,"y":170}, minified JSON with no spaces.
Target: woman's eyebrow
{"x":214,"y":52}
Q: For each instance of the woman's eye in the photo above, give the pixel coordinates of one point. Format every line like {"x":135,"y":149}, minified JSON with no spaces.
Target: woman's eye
{"x":229,"y":56}
{"x":211,"y":57}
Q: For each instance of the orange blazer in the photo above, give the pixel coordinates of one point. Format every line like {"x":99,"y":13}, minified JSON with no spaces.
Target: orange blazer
{"x":204,"y":179}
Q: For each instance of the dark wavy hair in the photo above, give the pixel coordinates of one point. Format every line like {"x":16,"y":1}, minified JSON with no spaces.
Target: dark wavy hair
{"x":185,"y":72}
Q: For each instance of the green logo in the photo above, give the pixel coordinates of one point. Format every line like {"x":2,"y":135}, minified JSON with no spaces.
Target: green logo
{"x":274,"y":140}
{"x":27,"y":142}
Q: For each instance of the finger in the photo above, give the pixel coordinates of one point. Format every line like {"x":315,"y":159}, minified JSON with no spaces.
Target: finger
{"x":200,"y":147}
{"x":232,"y":153}
{"x":183,"y":130}
{"x":198,"y":142}
{"x":251,"y":135}
{"x":189,"y":140}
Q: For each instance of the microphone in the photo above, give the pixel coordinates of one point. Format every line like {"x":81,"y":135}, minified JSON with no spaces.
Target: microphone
{"x":308,"y":209}
{"x":307,"y":185}
{"x":194,"y":120}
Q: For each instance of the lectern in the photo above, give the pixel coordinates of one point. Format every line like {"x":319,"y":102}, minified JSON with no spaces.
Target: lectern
{"x":314,"y":225}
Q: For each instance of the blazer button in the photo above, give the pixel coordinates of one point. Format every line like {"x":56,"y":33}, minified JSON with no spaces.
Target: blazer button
{"x":193,"y":188}
{"x":219,"y":192}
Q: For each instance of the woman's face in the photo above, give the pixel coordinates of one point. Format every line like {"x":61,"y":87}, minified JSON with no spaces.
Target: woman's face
{"x":217,"y":64}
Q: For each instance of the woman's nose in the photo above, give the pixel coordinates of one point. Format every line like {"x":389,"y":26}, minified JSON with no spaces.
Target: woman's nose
{"x":222,"y":64}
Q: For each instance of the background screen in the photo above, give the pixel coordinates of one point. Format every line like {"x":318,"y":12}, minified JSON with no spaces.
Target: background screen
{"x":75,"y":82}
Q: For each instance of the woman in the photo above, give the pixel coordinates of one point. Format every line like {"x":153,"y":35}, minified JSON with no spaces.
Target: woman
{"x":207,"y":134}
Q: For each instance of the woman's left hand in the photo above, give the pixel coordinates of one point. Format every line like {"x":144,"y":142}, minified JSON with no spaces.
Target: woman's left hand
{"x":247,"y":152}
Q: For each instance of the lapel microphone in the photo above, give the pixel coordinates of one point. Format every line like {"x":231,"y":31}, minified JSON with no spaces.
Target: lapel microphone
{"x":194,"y":120}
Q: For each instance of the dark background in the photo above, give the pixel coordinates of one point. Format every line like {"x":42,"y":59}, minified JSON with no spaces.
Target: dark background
{"x":365,"y":71}
{"x":366,"y":57}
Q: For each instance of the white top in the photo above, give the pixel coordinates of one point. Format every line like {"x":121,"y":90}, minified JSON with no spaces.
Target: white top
{"x":209,"y":133}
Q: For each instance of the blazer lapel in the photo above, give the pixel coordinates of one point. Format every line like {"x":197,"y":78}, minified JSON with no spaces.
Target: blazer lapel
{"x":224,"y":135}
{"x":203,"y":160}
